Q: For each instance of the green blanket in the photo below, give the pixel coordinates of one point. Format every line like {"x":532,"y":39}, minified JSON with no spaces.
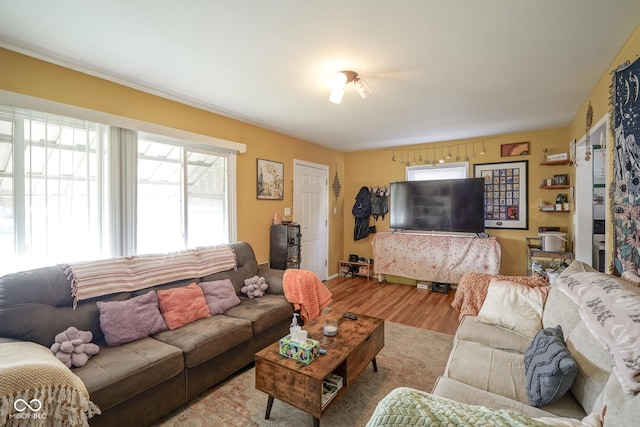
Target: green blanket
{"x":409,"y":407}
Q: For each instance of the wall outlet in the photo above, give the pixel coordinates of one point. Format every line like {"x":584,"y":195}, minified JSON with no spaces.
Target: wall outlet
{"x":287,"y":211}
{"x":423,"y":285}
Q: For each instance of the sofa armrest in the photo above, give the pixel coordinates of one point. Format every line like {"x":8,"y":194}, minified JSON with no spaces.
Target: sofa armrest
{"x":273,"y":278}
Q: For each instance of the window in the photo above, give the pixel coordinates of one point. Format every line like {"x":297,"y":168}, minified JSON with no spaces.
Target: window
{"x":66,"y":191}
{"x":182,"y":192}
{"x":432,"y":172}
{"x":50,"y":189}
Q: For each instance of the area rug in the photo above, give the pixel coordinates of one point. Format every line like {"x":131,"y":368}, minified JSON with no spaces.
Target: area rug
{"x":411,"y":357}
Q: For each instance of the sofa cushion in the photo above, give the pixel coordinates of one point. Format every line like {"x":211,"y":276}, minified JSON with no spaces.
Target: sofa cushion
{"x":207,"y":338}
{"x":513,"y":306}
{"x":549,"y":367}
{"x":495,"y":370}
{"x":130,"y":320}
{"x":454,"y":389}
{"x":180,"y":306}
{"x":116,"y":374}
{"x":610,"y":308}
{"x":623,"y":409}
{"x":559,"y":309}
{"x":489,"y":335}
{"x":263,"y":312}
{"x":220,"y":295}
{"x":594,"y":366}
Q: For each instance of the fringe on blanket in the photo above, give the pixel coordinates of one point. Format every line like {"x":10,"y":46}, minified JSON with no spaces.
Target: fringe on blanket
{"x":47,"y":406}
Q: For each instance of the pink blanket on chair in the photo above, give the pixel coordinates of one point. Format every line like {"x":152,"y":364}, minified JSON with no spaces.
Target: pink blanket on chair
{"x":306,"y":292}
{"x":473,"y":287}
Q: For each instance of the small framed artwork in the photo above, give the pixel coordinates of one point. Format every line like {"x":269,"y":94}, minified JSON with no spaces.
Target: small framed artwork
{"x":514,"y":149}
{"x":562,"y":179}
{"x":505,"y":194}
{"x":270,"y":180}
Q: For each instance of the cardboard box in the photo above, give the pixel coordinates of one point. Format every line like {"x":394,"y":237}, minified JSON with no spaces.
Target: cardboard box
{"x":305,"y":353}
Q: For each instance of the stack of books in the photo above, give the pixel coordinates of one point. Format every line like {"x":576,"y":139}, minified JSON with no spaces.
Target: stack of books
{"x":330,"y":388}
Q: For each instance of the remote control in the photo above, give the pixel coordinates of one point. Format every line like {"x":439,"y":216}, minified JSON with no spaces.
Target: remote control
{"x":350,"y":316}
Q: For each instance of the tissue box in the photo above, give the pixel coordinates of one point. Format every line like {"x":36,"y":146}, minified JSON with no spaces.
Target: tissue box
{"x":305,"y":353}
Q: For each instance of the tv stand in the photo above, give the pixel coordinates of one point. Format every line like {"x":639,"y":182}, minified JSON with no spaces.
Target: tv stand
{"x":434,"y":257}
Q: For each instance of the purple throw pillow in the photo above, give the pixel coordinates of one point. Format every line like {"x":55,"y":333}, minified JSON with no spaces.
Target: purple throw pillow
{"x":220,"y":295}
{"x":131,"y":320}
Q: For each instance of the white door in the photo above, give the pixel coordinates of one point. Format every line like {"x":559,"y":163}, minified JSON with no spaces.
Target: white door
{"x":583,"y":214}
{"x":584,"y":190}
{"x":310,"y":210}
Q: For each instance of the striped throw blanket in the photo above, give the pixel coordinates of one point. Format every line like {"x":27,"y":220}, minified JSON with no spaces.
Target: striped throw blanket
{"x":126,"y":274}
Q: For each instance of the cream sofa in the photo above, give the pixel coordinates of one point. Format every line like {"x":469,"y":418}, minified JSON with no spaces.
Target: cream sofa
{"x":486,"y":368}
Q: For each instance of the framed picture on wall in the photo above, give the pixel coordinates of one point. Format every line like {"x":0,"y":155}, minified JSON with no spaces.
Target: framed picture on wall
{"x":514,"y":149}
{"x":270,"y":180}
{"x":505,"y":194}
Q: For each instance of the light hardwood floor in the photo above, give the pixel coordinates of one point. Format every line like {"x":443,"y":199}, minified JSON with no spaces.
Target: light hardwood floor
{"x":394,"y":302}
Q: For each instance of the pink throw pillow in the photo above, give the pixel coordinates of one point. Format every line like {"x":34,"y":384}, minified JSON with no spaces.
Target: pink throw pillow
{"x":180,"y":306}
{"x":220,"y":295}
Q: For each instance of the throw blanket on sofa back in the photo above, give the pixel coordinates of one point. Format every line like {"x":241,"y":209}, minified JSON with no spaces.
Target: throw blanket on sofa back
{"x":126,"y":274}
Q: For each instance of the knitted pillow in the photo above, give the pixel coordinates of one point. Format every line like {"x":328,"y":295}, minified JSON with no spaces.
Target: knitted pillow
{"x":549,"y":367}
{"x":130,"y":320}
{"x":220,"y":295}
{"x":73,"y":347}
{"x":180,"y":306}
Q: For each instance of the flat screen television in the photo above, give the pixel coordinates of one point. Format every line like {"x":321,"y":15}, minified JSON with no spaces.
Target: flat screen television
{"x":454,"y":205}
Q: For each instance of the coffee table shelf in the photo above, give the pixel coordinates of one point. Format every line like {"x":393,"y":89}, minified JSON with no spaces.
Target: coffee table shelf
{"x":300,"y":385}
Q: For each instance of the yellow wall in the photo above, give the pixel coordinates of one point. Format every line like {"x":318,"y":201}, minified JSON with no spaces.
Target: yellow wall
{"x":376,"y":167}
{"x":599,"y":98}
{"x":29,"y":76}
{"x":25,"y":75}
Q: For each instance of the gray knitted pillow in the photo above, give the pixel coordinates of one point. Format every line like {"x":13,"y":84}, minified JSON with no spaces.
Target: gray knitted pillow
{"x":549,"y":367}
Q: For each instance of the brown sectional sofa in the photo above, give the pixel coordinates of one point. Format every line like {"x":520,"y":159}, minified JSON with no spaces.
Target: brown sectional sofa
{"x":139,"y":382}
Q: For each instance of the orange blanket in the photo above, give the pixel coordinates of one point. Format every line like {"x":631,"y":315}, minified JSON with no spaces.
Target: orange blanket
{"x":306,"y":292}
{"x":473,"y":287}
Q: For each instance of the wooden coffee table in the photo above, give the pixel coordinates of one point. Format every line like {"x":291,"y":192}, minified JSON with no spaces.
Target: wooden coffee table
{"x":300,"y":385}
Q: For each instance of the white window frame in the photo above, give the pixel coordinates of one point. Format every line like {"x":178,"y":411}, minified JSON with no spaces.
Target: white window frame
{"x":457,"y":170}
{"x":189,"y":140}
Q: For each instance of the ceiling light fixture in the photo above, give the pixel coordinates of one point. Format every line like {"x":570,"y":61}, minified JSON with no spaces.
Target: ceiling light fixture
{"x":340,"y":82}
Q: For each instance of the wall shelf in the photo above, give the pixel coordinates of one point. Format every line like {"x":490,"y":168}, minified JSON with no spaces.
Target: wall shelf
{"x":553,"y":187}
{"x":555,"y":163}
{"x":534,"y":251}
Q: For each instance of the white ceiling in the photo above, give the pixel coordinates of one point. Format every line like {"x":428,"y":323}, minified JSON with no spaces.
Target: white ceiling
{"x":438,"y":69}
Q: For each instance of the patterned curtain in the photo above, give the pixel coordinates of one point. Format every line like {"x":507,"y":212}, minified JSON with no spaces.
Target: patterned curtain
{"x":625,"y":103}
